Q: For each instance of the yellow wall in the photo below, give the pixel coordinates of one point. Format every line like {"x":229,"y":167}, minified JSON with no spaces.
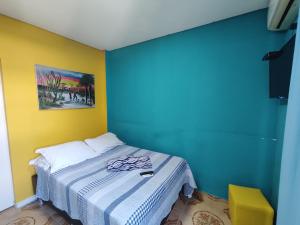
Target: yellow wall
{"x":21,"y":47}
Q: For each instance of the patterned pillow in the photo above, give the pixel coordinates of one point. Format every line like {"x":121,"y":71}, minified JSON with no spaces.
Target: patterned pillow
{"x":127,"y":163}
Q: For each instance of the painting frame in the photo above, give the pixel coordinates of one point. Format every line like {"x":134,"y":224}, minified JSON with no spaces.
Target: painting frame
{"x":64,"y":89}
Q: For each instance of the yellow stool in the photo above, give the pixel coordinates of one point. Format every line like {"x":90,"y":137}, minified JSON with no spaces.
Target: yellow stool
{"x":248,"y":206}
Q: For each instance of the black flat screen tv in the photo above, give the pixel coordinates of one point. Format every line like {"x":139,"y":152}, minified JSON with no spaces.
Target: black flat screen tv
{"x":280,"y":69}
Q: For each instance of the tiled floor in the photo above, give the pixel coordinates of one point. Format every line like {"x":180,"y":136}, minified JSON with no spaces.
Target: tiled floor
{"x":203,"y":209}
{"x":208,"y":210}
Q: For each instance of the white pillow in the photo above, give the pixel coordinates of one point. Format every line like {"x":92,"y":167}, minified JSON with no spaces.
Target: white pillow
{"x":67,"y":154}
{"x":41,"y":162}
{"x":104,"y":142}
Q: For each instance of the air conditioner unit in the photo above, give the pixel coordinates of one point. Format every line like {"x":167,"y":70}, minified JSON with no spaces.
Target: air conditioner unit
{"x":282,"y":13}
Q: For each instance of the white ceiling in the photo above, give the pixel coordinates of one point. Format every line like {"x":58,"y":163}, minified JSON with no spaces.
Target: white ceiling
{"x":112,"y":24}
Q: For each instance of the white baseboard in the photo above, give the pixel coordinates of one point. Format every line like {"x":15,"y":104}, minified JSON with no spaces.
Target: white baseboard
{"x":25,"y":202}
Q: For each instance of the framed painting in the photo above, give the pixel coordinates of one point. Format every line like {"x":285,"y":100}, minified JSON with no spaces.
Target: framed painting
{"x":63,"y":89}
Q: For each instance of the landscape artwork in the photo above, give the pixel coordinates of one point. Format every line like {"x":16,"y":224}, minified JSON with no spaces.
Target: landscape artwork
{"x":63,"y":89}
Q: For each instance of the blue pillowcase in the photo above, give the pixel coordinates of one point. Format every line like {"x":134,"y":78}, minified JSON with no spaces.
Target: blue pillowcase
{"x":128,"y":163}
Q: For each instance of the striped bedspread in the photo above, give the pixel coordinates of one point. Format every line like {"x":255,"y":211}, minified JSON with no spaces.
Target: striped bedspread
{"x":95,"y":196}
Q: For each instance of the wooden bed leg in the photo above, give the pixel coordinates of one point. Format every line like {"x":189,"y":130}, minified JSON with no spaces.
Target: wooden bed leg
{"x":198,"y":195}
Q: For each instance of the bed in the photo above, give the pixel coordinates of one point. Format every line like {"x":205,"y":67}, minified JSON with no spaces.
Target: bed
{"x":88,"y":192}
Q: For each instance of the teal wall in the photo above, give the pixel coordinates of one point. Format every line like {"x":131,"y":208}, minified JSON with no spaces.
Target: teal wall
{"x":278,"y":152}
{"x":201,"y":94}
{"x":280,"y":133}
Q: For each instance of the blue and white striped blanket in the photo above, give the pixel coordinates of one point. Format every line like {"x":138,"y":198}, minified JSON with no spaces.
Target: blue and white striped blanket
{"x":95,"y":196}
